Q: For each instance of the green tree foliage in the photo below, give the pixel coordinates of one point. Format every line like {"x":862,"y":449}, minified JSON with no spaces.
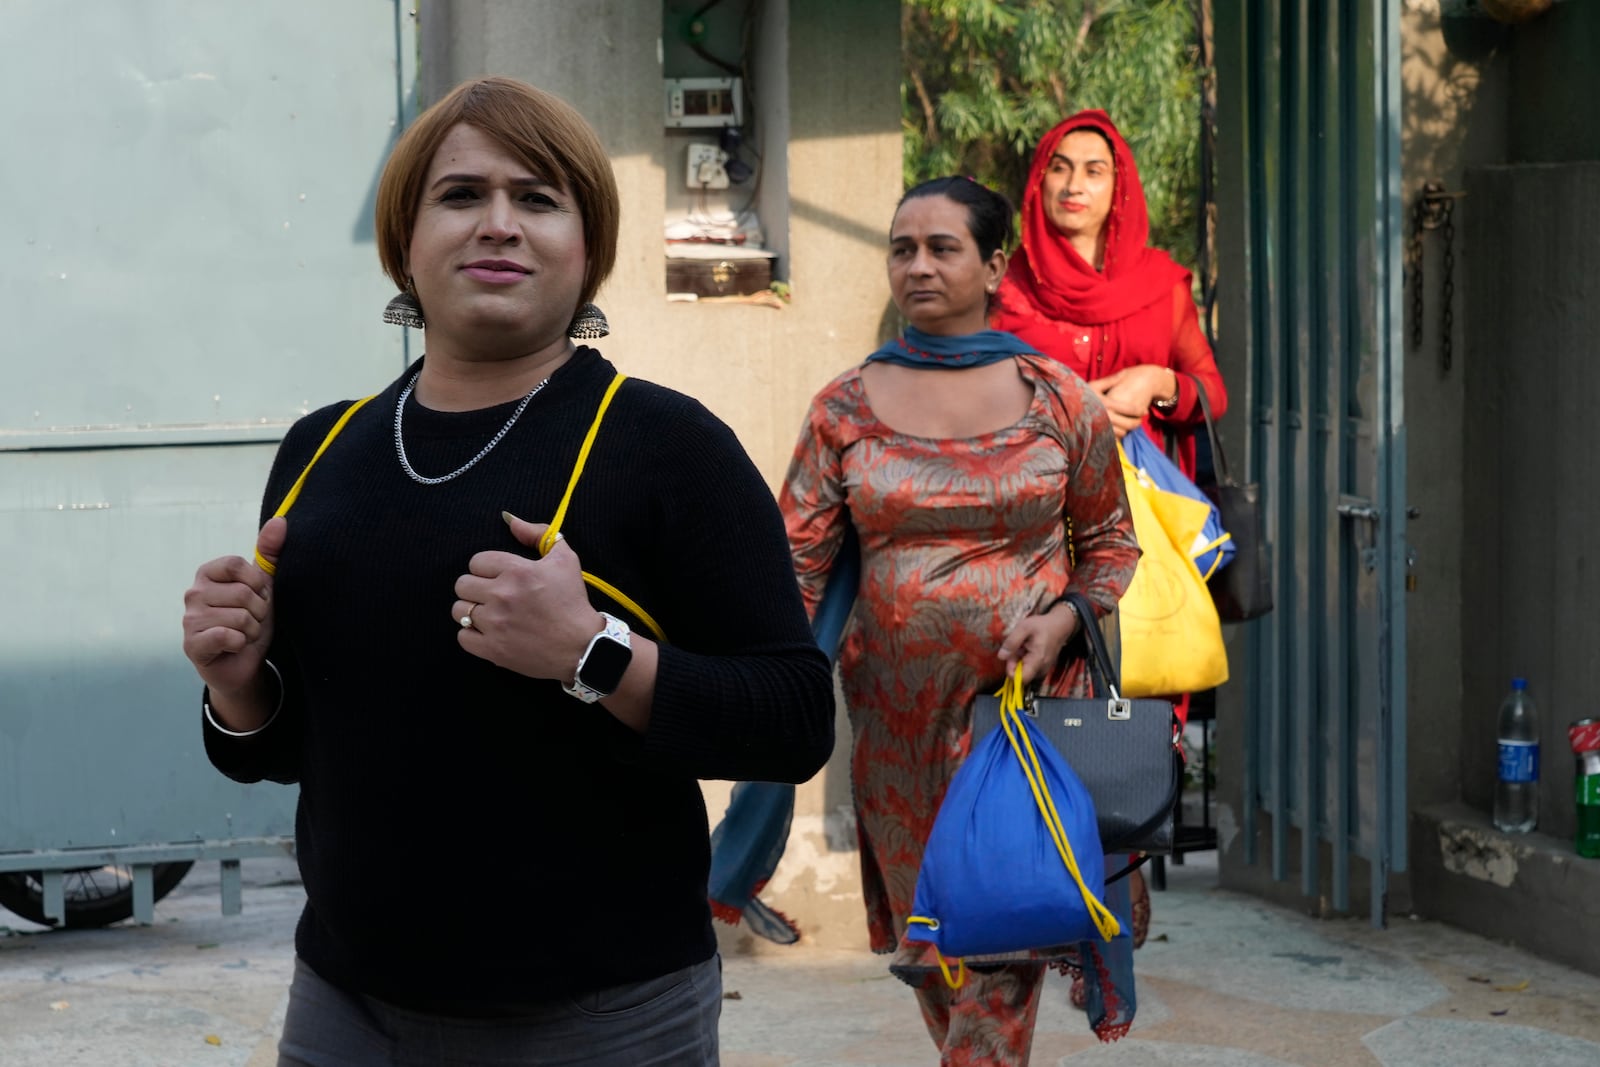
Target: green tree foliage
{"x":985,"y":79}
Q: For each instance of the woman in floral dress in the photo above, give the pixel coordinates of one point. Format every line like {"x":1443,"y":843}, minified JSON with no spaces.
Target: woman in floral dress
{"x":983,"y":481}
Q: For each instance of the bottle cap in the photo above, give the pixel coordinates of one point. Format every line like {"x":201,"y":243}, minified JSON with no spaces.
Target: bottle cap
{"x":1519,"y":684}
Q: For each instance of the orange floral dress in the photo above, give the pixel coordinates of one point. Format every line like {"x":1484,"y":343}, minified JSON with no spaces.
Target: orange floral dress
{"x":960,"y":539}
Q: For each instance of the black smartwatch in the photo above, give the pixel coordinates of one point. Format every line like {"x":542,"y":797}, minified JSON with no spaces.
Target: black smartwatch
{"x":603,"y":663}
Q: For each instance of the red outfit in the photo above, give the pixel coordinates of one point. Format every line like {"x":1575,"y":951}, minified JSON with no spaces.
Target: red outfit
{"x":1136,"y":309}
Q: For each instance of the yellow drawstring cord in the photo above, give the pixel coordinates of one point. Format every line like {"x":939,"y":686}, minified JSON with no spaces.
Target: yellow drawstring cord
{"x":1011,"y":702}
{"x":294,"y":490}
{"x":547,"y":542}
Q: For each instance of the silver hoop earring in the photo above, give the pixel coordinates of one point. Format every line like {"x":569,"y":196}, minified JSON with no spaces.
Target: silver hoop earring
{"x":404,"y":310}
{"x":588,"y":324}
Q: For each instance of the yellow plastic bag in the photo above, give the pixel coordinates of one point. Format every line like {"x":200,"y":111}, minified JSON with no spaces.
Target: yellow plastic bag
{"x":1171,"y":635}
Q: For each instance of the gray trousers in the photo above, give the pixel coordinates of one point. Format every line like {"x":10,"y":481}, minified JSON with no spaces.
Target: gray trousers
{"x":671,"y":1020}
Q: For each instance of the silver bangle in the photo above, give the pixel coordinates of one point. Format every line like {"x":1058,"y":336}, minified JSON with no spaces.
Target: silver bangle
{"x":211,"y":716}
{"x":1171,"y":402}
{"x":1062,"y":599}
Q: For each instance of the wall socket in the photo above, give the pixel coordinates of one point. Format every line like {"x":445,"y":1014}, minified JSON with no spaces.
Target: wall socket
{"x":706,"y":168}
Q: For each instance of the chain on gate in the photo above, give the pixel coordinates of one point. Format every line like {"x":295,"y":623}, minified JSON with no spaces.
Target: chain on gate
{"x":1435,"y":210}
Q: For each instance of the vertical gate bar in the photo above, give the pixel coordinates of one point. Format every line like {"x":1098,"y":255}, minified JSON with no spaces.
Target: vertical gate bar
{"x":1378,"y":857}
{"x":1270,"y":292}
{"x":1342,"y":124}
{"x":1236,"y":28}
{"x":1309,"y":397}
{"x":144,"y":893}
{"x":1289,"y":352}
{"x":53,"y":893}
{"x":1249,"y":84}
{"x":232,"y":888}
{"x":1391,"y":819}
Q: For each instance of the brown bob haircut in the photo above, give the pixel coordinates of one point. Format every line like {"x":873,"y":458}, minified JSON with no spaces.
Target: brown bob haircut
{"x":541,"y":130}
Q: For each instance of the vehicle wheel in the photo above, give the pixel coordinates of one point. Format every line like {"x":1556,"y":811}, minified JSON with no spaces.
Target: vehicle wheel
{"x":96,"y":896}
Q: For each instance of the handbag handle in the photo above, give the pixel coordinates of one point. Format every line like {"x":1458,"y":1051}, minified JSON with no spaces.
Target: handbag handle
{"x":1101,"y":670}
{"x":1219,"y":458}
{"x":1100,"y":667}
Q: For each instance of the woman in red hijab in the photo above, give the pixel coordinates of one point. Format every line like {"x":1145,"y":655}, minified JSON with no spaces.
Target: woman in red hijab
{"x":1085,"y":289}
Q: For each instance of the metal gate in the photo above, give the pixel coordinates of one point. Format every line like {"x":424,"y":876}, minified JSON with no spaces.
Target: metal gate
{"x":188,"y":265}
{"x":1309,"y":138}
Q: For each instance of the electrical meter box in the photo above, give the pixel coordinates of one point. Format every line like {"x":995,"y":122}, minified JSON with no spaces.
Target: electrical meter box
{"x":702,"y":102}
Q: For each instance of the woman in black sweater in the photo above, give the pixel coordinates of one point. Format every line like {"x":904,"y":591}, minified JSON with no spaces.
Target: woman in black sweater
{"x":437,"y":676}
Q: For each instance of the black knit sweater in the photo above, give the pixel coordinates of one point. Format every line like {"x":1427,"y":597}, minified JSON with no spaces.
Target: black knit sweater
{"x":473,"y":840}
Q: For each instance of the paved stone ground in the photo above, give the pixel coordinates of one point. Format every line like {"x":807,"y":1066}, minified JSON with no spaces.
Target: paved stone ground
{"x":1224,"y":982}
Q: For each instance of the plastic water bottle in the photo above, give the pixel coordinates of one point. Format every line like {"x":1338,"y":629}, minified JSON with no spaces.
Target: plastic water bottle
{"x":1516,"y":794}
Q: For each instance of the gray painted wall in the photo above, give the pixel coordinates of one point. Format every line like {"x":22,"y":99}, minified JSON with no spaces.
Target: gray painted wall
{"x":186,"y":267}
{"x":1555,"y":86}
{"x":1531,"y":580}
{"x":1505,"y":581}
{"x":1480,"y":95}
{"x":1457,"y":89}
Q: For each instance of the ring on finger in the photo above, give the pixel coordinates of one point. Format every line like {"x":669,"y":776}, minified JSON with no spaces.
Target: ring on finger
{"x":466,"y":620}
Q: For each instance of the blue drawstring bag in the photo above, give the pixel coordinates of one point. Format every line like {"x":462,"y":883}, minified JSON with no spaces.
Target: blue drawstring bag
{"x":1013,"y":863}
{"x":1213,"y":548}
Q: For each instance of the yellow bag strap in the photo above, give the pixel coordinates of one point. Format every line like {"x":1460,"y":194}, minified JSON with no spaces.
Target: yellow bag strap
{"x":1207,"y":547}
{"x":549,"y":539}
{"x":294,"y":490}
{"x":545,"y":542}
{"x":1012,"y":698}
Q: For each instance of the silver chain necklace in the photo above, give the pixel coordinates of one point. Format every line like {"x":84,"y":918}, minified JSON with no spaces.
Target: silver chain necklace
{"x":400,"y":444}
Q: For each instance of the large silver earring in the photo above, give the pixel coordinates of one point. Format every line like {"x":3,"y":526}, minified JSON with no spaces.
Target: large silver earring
{"x":588,"y":324}
{"x":404,"y":310}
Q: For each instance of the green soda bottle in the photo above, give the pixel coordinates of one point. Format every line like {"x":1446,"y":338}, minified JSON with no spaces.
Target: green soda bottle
{"x":1585,"y":737}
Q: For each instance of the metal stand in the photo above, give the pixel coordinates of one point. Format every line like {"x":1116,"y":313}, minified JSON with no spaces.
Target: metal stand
{"x":1202,"y":838}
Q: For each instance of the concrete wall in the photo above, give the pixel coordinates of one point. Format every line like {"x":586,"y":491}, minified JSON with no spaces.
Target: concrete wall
{"x":1479,"y":94}
{"x":1555,"y":84}
{"x":756,"y":367}
{"x":1501,"y":458}
{"x":1455,"y":78}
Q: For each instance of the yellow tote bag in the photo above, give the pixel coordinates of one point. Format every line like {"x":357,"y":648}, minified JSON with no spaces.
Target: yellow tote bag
{"x":1171,"y":635}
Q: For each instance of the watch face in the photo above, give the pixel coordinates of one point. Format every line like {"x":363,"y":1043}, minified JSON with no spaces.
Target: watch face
{"x":605,"y":665}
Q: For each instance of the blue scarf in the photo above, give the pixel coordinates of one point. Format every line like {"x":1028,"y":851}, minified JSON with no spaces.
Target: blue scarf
{"x":917,"y":349}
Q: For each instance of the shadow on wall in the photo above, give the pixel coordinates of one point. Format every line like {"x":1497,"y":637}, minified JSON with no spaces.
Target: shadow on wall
{"x":1443,"y":68}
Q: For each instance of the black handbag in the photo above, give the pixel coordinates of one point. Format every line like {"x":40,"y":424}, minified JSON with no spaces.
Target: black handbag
{"x":1126,"y":752}
{"x":1243,"y":589}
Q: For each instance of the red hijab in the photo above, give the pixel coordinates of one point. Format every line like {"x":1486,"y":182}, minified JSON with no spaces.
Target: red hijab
{"x":1047,"y":278}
